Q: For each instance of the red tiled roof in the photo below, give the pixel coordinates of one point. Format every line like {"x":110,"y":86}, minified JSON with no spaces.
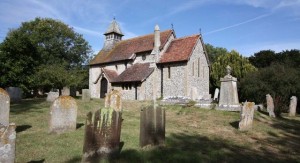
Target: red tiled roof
{"x":136,"y":73}
{"x":180,"y":49}
{"x":124,"y":49}
{"x":110,"y":74}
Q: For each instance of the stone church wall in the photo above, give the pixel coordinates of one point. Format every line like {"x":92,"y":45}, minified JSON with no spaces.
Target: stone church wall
{"x":94,"y":73}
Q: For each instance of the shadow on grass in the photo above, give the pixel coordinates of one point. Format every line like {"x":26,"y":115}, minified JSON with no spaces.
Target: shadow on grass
{"x":235,"y":124}
{"x":79,"y":125}
{"x":37,"y":161}
{"x":22,"y":128}
{"x":196,"y":148}
{"x":29,"y":104}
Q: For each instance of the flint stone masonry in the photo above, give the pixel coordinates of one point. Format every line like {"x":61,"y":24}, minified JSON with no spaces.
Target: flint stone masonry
{"x":7,"y":143}
{"x":4,"y":107}
{"x":52,"y":96}
{"x":63,"y":115}
{"x":102,"y":134}
{"x":15,"y":94}
{"x":113,"y":100}
{"x":228,"y":92}
{"x":152,"y":126}
{"x":293,"y":106}
{"x":270,"y":105}
{"x":86,"y":95}
{"x":246,"y":119}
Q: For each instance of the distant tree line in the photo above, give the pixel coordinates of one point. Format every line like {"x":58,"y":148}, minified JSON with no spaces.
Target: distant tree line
{"x":43,"y":54}
{"x":265,"y":72}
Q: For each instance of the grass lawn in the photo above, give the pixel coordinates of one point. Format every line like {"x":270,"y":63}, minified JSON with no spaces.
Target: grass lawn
{"x":192,"y":135}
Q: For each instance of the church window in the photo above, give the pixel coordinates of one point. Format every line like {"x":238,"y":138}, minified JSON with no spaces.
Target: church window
{"x":125,"y":65}
{"x":116,"y":67}
{"x":169,"y":72}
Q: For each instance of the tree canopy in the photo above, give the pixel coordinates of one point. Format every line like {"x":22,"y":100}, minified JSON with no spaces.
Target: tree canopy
{"x":39,"y":46}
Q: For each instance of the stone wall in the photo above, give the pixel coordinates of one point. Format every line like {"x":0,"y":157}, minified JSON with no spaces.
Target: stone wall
{"x":94,"y":73}
{"x":197,"y":73}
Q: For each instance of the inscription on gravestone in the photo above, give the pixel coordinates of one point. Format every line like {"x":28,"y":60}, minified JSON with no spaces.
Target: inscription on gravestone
{"x":63,"y":115}
{"x":247,"y":113}
{"x":7,"y":143}
{"x":152,"y":126}
{"x":103,"y":130}
{"x":4,"y":107}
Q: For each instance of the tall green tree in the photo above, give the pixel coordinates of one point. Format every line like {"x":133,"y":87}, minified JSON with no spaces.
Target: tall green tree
{"x":214,"y":52}
{"x":239,"y":64}
{"x":263,"y":58}
{"x":37,"y":45}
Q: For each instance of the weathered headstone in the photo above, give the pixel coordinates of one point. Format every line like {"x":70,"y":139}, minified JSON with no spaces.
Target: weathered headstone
{"x":270,"y":105}
{"x":7,"y":143}
{"x":65,"y":91}
{"x":86,"y":95}
{"x":152,"y":126}
{"x":293,"y":106}
{"x":103,"y":132}
{"x":4,"y":107}
{"x":15,"y":94}
{"x":246,"y":118}
{"x":228,"y":94}
{"x":63,"y":115}
{"x":216,"y":95}
{"x":52,"y":96}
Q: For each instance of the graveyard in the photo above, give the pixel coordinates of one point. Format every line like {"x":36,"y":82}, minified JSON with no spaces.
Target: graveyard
{"x":192,"y":134}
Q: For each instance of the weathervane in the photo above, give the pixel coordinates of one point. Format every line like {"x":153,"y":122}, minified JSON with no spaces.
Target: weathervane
{"x":172,"y":26}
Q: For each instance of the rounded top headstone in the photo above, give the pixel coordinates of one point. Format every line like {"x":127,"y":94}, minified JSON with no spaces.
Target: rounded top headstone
{"x":66,"y":102}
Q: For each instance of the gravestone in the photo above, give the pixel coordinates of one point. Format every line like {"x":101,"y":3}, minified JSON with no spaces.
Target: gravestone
{"x":103,"y":130}
{"x":270,"y":105}
{"x":293,"y":106}
{"x":216,"y":95}
{"x":65,"y":91}
{"x":152,"y":126}
{"x":7,"y":143}
{"x":52,"y":96}
{"x":63,"y":115}
{"x":15,"y":94}
{"x":228,"y":94}
{"x":86,"y":95}
{"x":4,"y":107}
{"x":246,"y":118}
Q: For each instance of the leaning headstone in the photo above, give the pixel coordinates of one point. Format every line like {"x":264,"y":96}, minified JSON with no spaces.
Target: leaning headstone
{"x":7,"y":143}
{"x":228,"y":94}
{"x":293,"y":106}
{"x":63,"y":115}
{"x":52,"y":96}
{"x":65,"y":91}
{"x":86,"y":95}
{"x":103,"y":130}
{"x":270,"y":105}
{"x":4,"y":107}
{"x":246,"y":118}
{"x":216,"y":95}
{"x":15,"y":94}
{"x":152,"y":126}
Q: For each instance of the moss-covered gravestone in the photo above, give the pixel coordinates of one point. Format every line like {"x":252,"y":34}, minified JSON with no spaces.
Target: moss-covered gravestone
{"x":152,"y":126}
{"x":7,"y":143}
{"x":4,"y":107}
{"x":63,"y":115}
{"x":246,"y":119}
{"x":103,"y":130}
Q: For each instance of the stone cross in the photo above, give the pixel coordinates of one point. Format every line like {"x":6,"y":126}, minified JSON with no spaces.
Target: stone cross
{"x":4,"y":107}
{"x":246,"y":119}
{"x":103,"y":130}
{"x":293,"y":106}
{"x":270,"y":105}
{"x":7,"y":143}
{"x":63,"y":115}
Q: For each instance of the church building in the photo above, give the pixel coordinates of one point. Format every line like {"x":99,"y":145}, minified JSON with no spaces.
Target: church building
{"x":155,"y":65}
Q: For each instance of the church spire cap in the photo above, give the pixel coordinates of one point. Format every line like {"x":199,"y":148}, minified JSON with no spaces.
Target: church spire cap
{"x":114,"y":28}
{"x":156,"y":27}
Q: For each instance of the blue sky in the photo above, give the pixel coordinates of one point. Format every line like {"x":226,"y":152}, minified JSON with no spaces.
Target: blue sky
{"x":247,"y":26}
